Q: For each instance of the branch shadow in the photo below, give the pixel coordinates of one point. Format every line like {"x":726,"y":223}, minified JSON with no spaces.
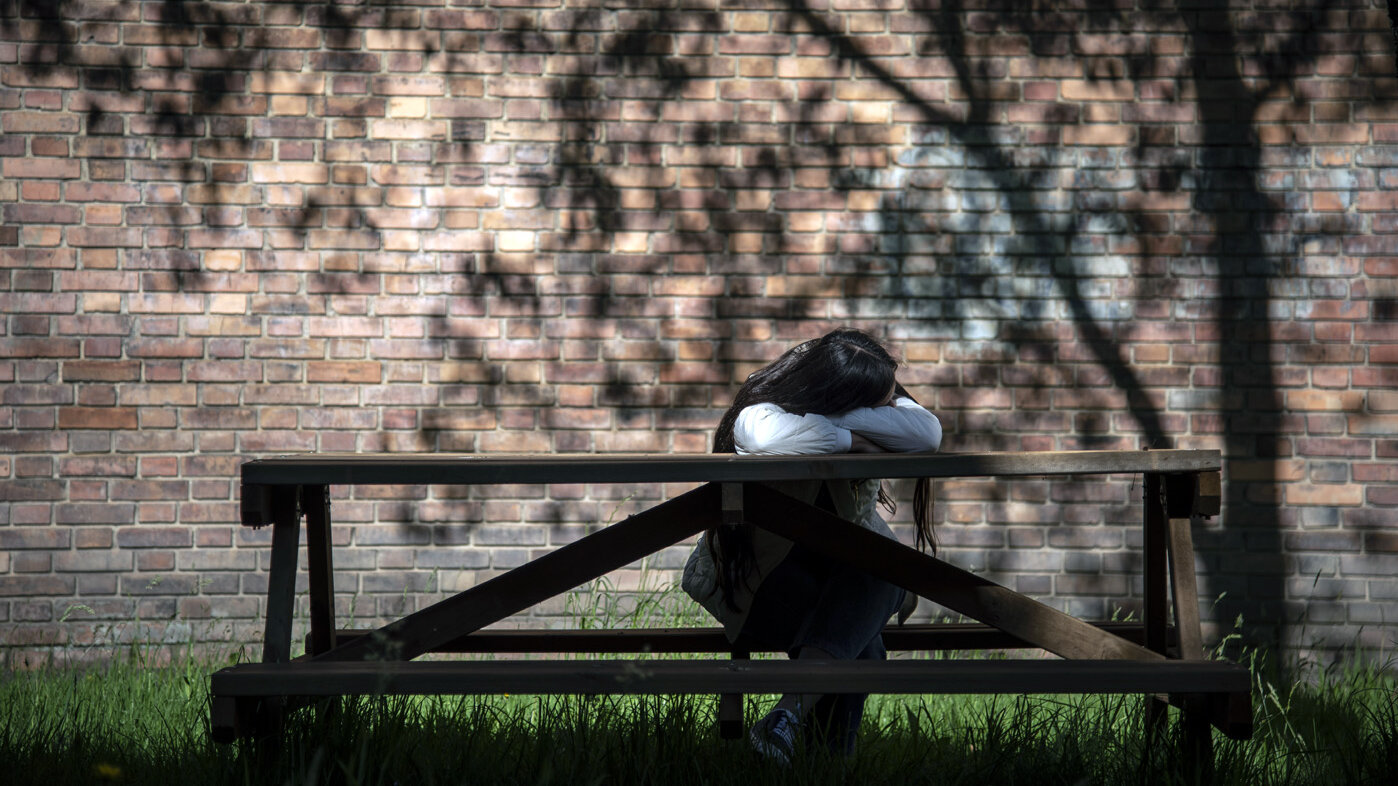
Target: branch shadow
{"x":1010,"y":249}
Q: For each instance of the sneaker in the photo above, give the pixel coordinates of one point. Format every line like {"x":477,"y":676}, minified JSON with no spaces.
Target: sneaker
{"x":774,"y":737}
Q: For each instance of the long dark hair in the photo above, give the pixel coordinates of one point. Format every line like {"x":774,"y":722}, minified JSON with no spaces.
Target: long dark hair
{"x":840,"y":371}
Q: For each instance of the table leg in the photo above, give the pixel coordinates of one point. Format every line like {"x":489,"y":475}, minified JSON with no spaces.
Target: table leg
{"x":730,"y":709}
{"x":1196,"y":732}
{"x":1197,"y":740}
{"x":1156,"y":598}
{"x":730,"y":705}
{"x":319,"y":563}
{"x":281,"y":585}
{"x":1154,"y":591}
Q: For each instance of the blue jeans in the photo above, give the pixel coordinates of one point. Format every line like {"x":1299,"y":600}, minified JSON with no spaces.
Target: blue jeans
{"x":812,"y":601}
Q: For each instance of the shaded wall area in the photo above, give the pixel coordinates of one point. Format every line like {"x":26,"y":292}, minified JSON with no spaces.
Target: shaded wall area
{"x":230,"y":230}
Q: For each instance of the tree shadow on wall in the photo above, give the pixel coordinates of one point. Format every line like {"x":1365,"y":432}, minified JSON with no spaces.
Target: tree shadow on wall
{"x":1009,"y":226}
{"x":1250,"y":242}
{"x":1015,"y":246}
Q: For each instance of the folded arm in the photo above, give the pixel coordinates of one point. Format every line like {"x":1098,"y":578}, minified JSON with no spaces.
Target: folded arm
{"x":769,"y":430}
{"x":904,"y":427}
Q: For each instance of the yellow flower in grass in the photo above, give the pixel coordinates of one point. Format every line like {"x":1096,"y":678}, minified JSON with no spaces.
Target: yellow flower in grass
{"x":107,"y":772}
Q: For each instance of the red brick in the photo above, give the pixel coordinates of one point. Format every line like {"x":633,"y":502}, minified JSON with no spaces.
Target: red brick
{"x":1100,"y":135}
{"x":41,"y":168}
{"x":97,"y":418}
{"x":218,"y":418}
{"x":39,"y":348}
{"x":104,"y":513}
{"x":41,"y":214}
{"x":755,"y":44}
{"x":343,"y":283}
{"x":93,"y":561}
{"x":35,"y":586}
{"x":148,"y":489}
{"x":104,"y":465}
{"x":101,"y":371}
{"x":35,"y":303}
{"x":104,"y":237}
{"x":32,"y":489}
{"x":347,"y":371}
{"x":153,"y":537}
{"x":224,"y":371}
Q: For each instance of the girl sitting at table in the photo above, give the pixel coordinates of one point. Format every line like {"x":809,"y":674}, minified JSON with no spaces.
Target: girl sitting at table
{"x":834,"y":394}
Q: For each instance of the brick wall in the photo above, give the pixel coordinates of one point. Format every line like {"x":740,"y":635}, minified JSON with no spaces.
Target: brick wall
{"x":234,"y":229}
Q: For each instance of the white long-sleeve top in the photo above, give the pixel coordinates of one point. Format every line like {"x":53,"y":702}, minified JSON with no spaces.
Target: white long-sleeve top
{"x":767,"y":429}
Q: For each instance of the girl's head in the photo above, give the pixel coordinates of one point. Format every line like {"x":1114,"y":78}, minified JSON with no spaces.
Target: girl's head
{"x":840,"y":371}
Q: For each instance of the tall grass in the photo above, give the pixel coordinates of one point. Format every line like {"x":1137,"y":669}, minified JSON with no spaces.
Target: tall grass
{"x":130,"y":722}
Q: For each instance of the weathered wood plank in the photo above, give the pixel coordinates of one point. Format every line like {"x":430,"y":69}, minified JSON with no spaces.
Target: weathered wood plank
{"x":552,"y":574}
{"x":929,"y":637}
{"x":437,"y":468}
{"x":938,"y":581}
{"x":312,"y":678}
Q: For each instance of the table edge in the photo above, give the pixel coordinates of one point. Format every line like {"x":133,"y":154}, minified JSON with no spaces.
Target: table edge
{"x":447,"y":469}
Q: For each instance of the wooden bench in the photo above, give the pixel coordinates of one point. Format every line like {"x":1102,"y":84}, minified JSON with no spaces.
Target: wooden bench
{"x":1151,"y":656}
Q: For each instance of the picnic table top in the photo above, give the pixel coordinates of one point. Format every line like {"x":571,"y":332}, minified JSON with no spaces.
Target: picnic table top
{"x":453,"y":468}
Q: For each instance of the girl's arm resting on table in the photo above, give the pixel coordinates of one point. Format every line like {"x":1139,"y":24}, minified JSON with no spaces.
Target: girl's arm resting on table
{"x":858,"y":443}
{"x":905,"y":427}
{"x":767,"y":429}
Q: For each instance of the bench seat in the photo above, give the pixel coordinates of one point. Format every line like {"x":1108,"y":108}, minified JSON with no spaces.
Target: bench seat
{"x":918,"y":636}
{"x":627,"y":675}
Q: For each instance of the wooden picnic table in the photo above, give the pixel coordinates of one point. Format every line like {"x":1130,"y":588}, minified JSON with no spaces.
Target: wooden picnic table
{"x":1152,"y":655}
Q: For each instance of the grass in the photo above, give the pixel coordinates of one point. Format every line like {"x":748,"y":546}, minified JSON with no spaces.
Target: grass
{"x":129,"y":722}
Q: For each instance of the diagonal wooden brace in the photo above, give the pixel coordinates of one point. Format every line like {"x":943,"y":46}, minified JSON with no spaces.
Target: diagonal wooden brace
{"x":552,"y":574}
{"x":938,"y":581}
{"x":1184,"y":584}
